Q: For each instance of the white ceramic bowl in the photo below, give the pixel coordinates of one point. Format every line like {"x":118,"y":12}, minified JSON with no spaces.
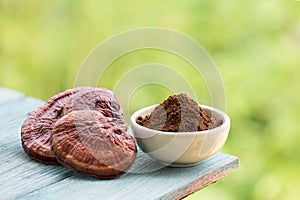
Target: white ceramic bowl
{"x":181,"y":149}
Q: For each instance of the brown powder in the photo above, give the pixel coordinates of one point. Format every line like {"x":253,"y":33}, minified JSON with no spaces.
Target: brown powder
{"x":178,"y":113}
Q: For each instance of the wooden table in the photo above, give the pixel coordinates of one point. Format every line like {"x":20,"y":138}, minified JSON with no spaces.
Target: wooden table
{"x":23,"y":178}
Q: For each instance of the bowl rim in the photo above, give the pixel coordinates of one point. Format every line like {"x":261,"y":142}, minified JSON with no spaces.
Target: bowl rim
{"x":225,"y":124}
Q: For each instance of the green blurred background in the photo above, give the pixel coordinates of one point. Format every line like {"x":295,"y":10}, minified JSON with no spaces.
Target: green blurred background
{"x":255,"y":44}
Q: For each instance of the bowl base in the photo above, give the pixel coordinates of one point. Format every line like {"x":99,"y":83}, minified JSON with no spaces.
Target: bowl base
{"x":178,"y":165}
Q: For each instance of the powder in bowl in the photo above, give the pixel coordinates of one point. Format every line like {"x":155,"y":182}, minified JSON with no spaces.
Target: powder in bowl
{"x":178,"y":113}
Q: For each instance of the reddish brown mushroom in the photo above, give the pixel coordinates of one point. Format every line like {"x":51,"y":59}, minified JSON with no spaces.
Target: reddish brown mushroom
{"x":37,"y":128}
{"x":93,"y":144}
{"x":99,"y":99}
{"x":87,"y":131}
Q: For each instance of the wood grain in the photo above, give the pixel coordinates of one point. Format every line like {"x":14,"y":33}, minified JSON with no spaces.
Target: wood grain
{"x":24,"y":178}
{"x":18,"y":173}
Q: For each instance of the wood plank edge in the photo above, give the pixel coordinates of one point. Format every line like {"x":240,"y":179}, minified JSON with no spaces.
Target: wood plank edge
{"x":13,"y":99}
{"x":205,"y":180}
{"x":8,"y":90}
{"x":19,"y":99}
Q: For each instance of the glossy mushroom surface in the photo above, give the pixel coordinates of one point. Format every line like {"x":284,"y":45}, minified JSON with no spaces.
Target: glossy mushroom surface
{"x":98,"y":99}
{"x":37,"y":128}
{"x":93,"y":144}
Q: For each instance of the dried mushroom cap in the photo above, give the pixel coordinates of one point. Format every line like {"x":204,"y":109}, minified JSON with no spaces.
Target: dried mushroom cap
{"x":99,"y":99}
{"x":37,"y":128}
{"x":93,"y":144}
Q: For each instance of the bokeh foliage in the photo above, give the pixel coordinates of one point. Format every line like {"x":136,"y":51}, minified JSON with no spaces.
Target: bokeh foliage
{"x":255,"y":44}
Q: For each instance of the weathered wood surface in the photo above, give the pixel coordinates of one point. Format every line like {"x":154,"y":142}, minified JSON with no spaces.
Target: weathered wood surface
{"x":23,"y":178}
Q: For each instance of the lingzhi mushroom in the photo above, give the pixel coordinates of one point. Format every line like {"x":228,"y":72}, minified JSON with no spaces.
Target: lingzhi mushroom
{"x":83,"y":129}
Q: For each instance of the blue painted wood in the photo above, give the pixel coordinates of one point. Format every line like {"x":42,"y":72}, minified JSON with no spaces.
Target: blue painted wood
{"x":24,"y":178}
{"x":18,"y":173}
{"x":166,"y":183}
{"x":12,"y":114}
{"x":8,"y":95}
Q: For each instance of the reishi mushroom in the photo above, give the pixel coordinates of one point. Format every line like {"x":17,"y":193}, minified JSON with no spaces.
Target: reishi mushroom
{"x":87,"y":132}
